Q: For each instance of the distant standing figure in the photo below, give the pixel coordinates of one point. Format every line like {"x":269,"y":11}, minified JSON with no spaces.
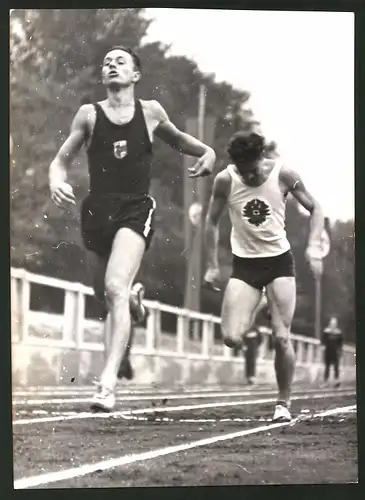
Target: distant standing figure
{"x":332,"y":339}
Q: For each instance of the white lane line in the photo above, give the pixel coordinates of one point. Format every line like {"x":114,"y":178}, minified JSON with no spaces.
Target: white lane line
{"x":154,"y":397}
{"x":197,"y":420}
{"x":80,"y":416}
{"x":153,"y":391}
{"x":53,"y":477}
{"x":203,"y":392}
{"x":90,"y":388}
{"x":141,"y":411}
{"x":165,"y":419}
{"x":224,"y":404}
{"x":166,"y":409}
{"x":45,"y":402}
{"x":304,"y":415}
{"x":344,"y":409}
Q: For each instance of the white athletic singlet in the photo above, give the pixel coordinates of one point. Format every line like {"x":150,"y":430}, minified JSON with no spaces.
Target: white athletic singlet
{"x":258,"y":216}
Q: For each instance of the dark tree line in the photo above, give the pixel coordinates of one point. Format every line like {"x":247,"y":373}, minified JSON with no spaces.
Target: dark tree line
{"x":55,"y":65}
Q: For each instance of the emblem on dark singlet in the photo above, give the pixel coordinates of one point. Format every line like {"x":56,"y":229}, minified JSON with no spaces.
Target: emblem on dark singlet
{"x":256,"y":212}
{"x":120,"y":149}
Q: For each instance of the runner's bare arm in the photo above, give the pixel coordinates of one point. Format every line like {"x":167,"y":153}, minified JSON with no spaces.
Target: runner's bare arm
{"x":183,"y":142}
{"x":70,"y":148}
{"x":217,"y":203}
{"x":296,"y":187}
{"x":177,"y":139}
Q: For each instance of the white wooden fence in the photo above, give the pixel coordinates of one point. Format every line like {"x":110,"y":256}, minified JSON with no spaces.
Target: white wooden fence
{"x":74,"y":326}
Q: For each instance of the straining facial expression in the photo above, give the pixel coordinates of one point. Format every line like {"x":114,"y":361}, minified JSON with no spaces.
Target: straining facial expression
{"x":120,"y":68}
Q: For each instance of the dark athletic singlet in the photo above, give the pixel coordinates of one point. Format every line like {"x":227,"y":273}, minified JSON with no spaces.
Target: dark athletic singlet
{"x":120,"y":156}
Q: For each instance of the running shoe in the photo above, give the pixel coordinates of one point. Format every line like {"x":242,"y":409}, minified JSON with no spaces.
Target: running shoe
{"x":138,"y":311}
{"x":103,"y":399}
{"x":281,"y":414}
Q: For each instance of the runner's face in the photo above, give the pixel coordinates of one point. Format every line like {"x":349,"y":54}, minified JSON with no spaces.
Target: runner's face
{"x":118,"y":69}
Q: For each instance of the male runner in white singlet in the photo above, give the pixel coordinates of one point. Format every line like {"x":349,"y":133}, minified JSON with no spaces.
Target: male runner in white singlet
{"x":255,"y":189}
{"x":117,"y":217}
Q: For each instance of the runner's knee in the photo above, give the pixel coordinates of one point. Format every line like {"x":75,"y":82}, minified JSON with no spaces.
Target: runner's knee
{"x":232,"y":337}
{"x":281,"y":327}
{"x":116,"y":289}
{"x":282,"y":340}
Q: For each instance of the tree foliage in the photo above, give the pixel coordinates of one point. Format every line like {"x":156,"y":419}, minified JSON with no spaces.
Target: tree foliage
{"x":55,"y":60}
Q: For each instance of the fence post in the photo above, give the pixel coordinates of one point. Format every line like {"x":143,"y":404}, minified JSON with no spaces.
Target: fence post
{"x":318,"y":353}
{"x":79,"y":328}
{"x":80,"y":313}
{"x":153,"y":322}
{"x":69,"y":315}
{"x":182,"y":328}
{"x":299,"y":352}
{"x":207,"y":337}
{"x":196,"y":335}
{"x":310,"y":354}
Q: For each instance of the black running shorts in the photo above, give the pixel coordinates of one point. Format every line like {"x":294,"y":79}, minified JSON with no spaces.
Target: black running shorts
{"x":261,"y":271}
{"x":103,"y":215}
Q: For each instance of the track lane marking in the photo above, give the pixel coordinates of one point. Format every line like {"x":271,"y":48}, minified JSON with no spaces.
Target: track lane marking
{"x":152,"y":397}
{"x":120,"y":390}
{"x":166,"y":409}
{"x":156,"y":397}
{"x":53,"y":477}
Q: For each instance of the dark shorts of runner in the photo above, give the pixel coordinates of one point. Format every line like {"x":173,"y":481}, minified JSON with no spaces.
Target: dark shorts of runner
{"x":103,"y":215}
{"x":259,"y":272}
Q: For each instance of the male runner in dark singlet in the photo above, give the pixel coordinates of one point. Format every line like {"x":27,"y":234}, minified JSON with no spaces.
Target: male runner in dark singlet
{"x":117,"y":216}
{"x":255,"y":189}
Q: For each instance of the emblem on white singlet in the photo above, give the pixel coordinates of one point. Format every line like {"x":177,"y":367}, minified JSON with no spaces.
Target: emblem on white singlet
{"x":120,"y":149}
{"x":256,"y":212}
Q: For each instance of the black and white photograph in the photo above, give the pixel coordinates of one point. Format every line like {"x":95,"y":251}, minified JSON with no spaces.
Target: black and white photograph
{"x":182,"y":231}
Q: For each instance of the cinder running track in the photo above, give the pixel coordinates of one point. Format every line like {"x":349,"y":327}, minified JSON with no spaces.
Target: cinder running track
{"x":192,"y":438}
